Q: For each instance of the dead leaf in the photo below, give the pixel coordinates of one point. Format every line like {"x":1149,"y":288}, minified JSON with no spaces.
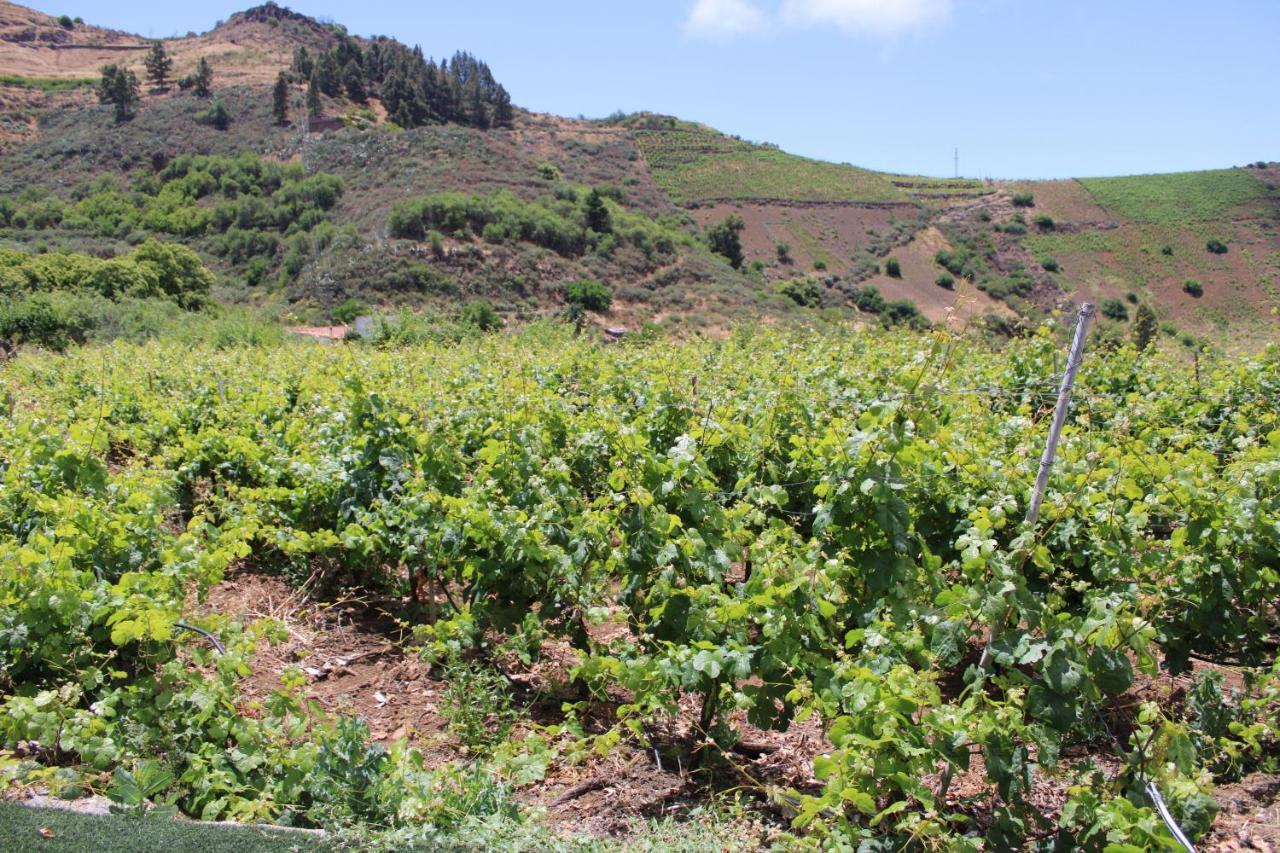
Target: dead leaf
{"x":45,"y":832}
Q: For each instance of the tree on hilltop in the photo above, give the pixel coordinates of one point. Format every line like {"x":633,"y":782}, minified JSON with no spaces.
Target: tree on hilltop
{"x":159,"y":64}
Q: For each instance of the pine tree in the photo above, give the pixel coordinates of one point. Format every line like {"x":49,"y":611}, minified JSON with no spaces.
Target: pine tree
{"x":159,"y":64}
{"x":1145,"y":327}
{"x":280,"y":99}
{"x":502,"y":112}
{"x":313,"y":96}
{"x":302,"y":62}
{"x":328,"y":75}
{"x":119,"y":86}
{"x":203,"y":80}
{"x":353,"y":82}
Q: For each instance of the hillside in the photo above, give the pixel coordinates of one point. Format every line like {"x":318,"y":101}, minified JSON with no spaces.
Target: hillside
{"x":818,"y":239}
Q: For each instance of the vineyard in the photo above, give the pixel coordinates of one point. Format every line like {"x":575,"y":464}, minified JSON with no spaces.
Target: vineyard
{"x":694,"y":549}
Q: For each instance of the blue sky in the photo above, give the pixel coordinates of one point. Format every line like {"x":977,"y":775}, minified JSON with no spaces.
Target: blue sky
{"x":1024,"y":88}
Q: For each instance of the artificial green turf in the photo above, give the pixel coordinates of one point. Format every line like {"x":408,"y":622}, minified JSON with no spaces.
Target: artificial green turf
{"x":20,"y":831}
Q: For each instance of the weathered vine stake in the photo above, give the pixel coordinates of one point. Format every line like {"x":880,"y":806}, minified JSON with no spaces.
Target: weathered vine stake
{"x":1083,"y":320}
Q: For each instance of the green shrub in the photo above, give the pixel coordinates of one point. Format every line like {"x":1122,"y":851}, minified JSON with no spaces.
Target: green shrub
{"x":903,"y":312}
{"x":43,"y":320}
{"x":802,"y":291}
{"x":1050,"y":265}
{"x":481,"y":315}
{"x":725,"y":240}
{"x":216,"y":116}
{"x":820,"y":265}
{"x":1012,"y":227}
{"x":1166,"y":250}
{"x":1017,"y":282}
{"x":1044,"y":222}
{"x":1114,"y":309}
{"x":1024,"y":199}
{"x":1216,"y":246}
{"x":348,"y":311}
{"x":892,"y":268}
{"x":868,"y":299}
{"x":66,"y":22}
{"x":962,"y":262}
{"x":984,"y":215}
{"x":783,"y":252}
{"x":1193,"y":287}
{"x":1131,"y":298}
{"x":946,"y":280}
{"x":589,"y":295}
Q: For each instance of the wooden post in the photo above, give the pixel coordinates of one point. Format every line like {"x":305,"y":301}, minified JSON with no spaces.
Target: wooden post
{"x":1083,"y":320}
{"x":1060,"y":412}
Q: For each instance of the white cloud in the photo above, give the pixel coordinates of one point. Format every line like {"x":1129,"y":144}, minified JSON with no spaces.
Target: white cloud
{"x":872,"y":17}
{"x":719,"y":19}
{"x":726,"y":18}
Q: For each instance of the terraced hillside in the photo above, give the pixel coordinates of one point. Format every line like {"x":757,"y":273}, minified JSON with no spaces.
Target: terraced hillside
{"x":818,"y":239}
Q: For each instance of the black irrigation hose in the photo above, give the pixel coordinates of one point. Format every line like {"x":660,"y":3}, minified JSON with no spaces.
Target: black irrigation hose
{"x":217,"y":645}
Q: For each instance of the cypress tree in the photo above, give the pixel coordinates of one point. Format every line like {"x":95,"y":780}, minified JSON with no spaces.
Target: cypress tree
{"x":280,"y":99}
{"x":313,"y":96}
{"x":1145,"y":327}
{"x":598,"y":219}
{"x":203,"y":80}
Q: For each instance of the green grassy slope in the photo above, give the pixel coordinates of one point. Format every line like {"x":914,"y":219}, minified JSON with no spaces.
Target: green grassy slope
{"x":1177,"y":198}
{"x":695,"y":163}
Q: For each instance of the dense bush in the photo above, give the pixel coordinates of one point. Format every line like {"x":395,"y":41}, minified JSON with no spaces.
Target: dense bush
{"x":725,"y":240}
{"x":154,"y":269}
{"x":1114,"y":309}
{"x":44,"y":320}
{"x":1216,"y":246}
{"x":589,"y":295}
{"x":946,"y":280}
{"x":481,"y":315}
{"x":1193,"y":287}
{"x":1017,"y":282}
{"x":892,"y":268}
{"x":1044,"y":222}
{"x":1050,"y":265}
{"x":556,"y":223}
{"x":962,"y":262}
{"x":247,"y":193}
{"x":1024,"y":199}
{"x":802,"y":291}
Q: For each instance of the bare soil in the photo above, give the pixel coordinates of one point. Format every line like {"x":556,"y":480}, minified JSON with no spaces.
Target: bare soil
{"x":359,"y":661}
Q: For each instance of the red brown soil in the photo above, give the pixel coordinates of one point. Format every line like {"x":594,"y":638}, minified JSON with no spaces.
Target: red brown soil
{"x":833,"y":232}
{"x":358,"y":663}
